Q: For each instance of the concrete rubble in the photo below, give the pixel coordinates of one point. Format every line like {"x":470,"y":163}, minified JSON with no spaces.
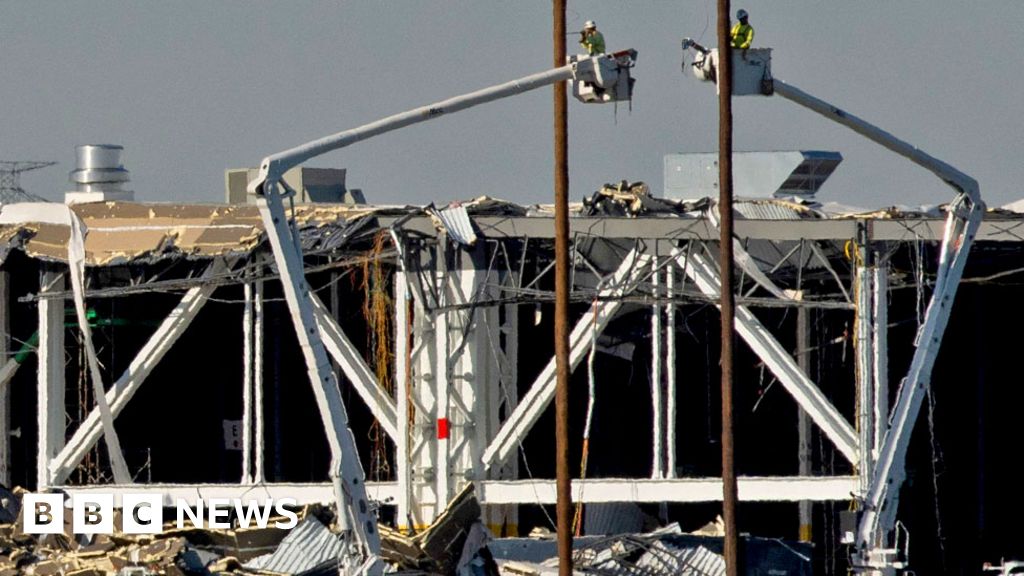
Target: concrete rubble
{"x":457,"y":543}
{"x":454,"y":544}
{"x":173,"y":552}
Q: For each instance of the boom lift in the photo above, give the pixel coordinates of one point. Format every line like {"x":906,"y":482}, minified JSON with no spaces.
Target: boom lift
{"x":877,"y":549}
{"x":601,"y":78}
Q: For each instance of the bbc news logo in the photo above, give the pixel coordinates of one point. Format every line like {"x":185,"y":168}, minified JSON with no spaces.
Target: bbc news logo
{"x":144,"y":513}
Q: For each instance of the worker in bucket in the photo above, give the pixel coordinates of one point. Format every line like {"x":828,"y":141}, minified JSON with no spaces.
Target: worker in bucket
{"x":742,"y":33}
{"x":591,"y":39}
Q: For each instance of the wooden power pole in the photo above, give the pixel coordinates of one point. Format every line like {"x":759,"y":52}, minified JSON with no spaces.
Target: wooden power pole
{"x":729,"y":491}
{"x":563,"y":504}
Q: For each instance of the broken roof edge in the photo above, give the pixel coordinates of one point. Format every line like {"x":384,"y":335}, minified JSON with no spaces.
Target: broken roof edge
{"x":145,"y":232}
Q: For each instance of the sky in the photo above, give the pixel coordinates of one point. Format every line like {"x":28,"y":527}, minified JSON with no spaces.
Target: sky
{"x":191,"y":88}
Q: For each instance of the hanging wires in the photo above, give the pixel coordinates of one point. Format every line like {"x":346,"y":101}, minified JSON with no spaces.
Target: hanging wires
{"x":377,"y":306}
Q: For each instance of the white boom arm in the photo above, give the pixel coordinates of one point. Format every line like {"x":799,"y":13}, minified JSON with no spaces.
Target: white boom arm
{"x":876,"y":549}
{"x":950,"y":175}
{"x":603,"y":71}
{"x":608,"y":73}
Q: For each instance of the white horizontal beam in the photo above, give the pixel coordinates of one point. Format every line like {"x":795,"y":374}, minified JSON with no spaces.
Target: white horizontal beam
{"x":751,"y":489}
{"x":302,"y":493}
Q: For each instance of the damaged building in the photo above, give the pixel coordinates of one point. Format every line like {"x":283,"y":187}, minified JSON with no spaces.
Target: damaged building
{"x":438,"y":323}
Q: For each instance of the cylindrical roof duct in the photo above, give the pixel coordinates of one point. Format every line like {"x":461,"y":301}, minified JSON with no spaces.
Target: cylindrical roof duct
{"x":100,"y":174}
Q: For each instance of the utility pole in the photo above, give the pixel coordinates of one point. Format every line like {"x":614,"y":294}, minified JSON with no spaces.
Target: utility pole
{"x":563,"y":505}
{"x":729,"y":491}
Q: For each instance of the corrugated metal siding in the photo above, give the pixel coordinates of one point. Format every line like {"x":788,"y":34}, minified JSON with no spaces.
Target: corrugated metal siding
{"x":664,"y":558}
{"x":306,"y":547}
{"x":456,"y":222}
{"x":766,"y":211}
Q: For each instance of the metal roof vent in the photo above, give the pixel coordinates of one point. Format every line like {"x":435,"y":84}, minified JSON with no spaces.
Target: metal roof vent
{"x":799,"y":173}
{"x":99,"y":176}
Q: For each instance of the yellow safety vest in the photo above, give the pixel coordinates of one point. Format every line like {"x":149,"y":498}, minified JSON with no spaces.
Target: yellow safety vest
{"x":742,"y":35}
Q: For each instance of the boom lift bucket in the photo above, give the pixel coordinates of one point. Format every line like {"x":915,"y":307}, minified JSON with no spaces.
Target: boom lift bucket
{"x":751,"y":69}
{"x":609,"y":81}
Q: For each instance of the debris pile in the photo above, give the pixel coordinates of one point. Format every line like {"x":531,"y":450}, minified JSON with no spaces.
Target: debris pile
{"x":457,"y":543}
{"x":630,"y":200}
{"x":663,"y":552}
{"x":307,"y":549}
{"x":454,"y":544}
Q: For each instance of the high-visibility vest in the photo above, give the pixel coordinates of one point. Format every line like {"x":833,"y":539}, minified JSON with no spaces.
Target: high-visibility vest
{"x":594,"y":43}
{"x":742,"y":35}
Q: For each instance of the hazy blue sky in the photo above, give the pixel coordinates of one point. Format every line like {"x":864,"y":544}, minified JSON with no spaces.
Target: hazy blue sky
{"x":193,"y":87}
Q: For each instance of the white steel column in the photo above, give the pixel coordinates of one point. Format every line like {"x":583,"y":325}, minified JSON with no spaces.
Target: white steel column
{"x":881,"y":353}
{"x":403,"y":379}
{"x":50,"y":393}
{"x":442,"y":385}
{"x":503,"y":358}
{"x":257,"y":373}
{"x":865,"y":356}
{"x":657,"y":470}
{"x":670,"y":374}
{"x":247,"y":382}
{"x":423,"y":398}
{"x":472,"y":375}
{"x":469,"y":374}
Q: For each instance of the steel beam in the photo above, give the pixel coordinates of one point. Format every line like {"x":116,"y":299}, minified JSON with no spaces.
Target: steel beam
{"x":257,"y":369}
{"x":880,"y":365}
{"x":247,"y":381}
{"x":543,"y":388}
{"x":670,"y":374}
{"x":302,"y":493}
{"x":657,"y":416}
{"x":50,"y":393}
{"x":796,"y":382}
{"x":403,"y":380}
{"x":503,"y":492}
{"x":865,"y":385}
{"x":355,"y":368}
{"x":89,"y":432}
{"x":751,"y":489}
{"x":443,"y":485}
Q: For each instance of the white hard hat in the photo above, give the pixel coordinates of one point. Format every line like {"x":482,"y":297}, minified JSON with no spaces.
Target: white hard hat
{"x":589,"y":24}
{"x":741,"y":14}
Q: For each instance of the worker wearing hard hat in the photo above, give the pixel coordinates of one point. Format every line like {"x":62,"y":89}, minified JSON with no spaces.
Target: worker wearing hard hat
{"x":591,"y":39}
{"x":742,"y":33}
